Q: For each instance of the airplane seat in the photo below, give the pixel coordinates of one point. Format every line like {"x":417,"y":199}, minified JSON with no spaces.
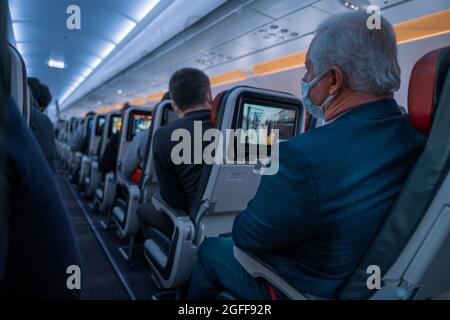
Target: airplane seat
{"x":86,"y":154}
{"x":162,"y":115}
{"x":19,"y":87}
{"x":127,"y":194}
{"x":157,"y":247}
{"x":29,"y":101}
{"x":78,"y":157}
{"x":67,"y":150}
{"x":93,"y":144}
{"x":411,"y":247}
{"x":224,"y":189}
{"x":95,"y":177}
{"x":126,"y":203}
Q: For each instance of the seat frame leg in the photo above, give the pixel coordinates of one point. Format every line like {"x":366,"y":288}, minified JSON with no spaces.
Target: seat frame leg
{"x":127,"y":251}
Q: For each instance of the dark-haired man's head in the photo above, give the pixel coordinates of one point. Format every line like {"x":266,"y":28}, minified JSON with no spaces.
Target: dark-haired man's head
{"x":41,"y":93}
{"x":125,"y":107}
{"x":190,"y":90}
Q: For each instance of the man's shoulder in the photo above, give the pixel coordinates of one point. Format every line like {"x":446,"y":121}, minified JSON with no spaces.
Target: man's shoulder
{"x":182,"y":123}
{"x":307,"y":140}
{"x":45,"y":120}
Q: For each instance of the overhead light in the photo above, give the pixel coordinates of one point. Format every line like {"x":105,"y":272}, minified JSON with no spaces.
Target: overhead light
{"x":125,"y":31}
{"x":95,"y":62}
{"x":149,"y":6}
{"x":107,"y":50}
{"x":56,"y":64}
{"x":121,"y":35}
{"x":119,"y":91}
{"x":86,"y":73}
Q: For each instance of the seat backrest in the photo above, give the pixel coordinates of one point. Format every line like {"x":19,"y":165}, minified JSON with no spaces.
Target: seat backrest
{"x":19,"y":87}
{"x":96,"y":134}
{"x":226,"y":186}
{"x":72,"y":126}
{"x":88,"y":127}
{"x":113,"y":124}
{"x":400,"y":235}
{"x":134,"y":120}
{"x":29,"y":105}
{"x":162,"y":115}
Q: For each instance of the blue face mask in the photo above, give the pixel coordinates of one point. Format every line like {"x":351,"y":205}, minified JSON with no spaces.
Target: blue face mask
{"x":317,"y":112}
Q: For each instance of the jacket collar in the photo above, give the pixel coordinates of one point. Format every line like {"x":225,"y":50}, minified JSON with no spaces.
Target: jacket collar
{"x":370,"y":110}
{"x":198,"y":114}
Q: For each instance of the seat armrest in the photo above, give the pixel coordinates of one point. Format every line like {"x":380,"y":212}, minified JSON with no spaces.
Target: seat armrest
{"x":258,"y":268}
{"x":180,"y":219}
{"x":160,"y":203}
{"x":125,"y":182}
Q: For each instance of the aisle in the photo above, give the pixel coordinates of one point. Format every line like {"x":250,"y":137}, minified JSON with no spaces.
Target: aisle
{"x":100,"y":279}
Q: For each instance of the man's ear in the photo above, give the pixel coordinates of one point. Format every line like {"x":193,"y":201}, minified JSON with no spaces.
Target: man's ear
{"x":176,"y":110}
{"x":209,"y":99}
{"x":337,"y":80}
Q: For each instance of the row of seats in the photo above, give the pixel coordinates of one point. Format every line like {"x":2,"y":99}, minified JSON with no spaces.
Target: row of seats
{"x":411,"y":243}
{"x":224,"y":190}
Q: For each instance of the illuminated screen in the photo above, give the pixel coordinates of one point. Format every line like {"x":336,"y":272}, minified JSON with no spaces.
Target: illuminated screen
{"x":141,"y":123}
{"x":116,"y":124}
{"x":264,"y":119}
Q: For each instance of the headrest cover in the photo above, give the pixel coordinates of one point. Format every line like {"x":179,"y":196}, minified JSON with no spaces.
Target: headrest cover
{"x":425,"y":86}
{"x":215,"y":107}
{"x":18,"y":79}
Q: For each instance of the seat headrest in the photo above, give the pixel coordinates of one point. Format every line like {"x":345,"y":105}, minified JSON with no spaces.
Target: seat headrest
{"x":425,"y":87}
{"x":18,"y":79}
{"x":215,"y":107}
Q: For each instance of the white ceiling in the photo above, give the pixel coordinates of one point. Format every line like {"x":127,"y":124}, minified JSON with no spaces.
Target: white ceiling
{"x":229,"y":36}
{"x":41,"y":34}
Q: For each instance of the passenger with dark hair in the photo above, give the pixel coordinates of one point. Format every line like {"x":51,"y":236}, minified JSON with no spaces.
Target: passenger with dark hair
{"x":41,"y":93}
{"x":40,"y":123}
{"x":136,"y":153}
{"x":190,"y":90}
{"x":108,"y":160}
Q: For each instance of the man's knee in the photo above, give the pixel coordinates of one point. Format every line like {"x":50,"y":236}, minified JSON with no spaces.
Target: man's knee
{"x":215,"y":248}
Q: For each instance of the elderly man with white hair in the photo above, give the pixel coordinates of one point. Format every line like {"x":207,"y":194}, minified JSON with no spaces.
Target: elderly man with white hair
{"x":314,"y":220}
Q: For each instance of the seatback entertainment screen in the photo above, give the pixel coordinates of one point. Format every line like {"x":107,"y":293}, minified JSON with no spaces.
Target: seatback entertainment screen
{"x":116,"y":125}
{"x":264,"y":119}
{"x":141,"y":123}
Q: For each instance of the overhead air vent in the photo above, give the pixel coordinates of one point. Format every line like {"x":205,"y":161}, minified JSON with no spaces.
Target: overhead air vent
{"x":355,"y":5}
{"x":211,"y":58}
{"x":276,"y":33}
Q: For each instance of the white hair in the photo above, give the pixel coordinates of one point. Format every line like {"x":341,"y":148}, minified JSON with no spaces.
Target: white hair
{"x":367,"y":57}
